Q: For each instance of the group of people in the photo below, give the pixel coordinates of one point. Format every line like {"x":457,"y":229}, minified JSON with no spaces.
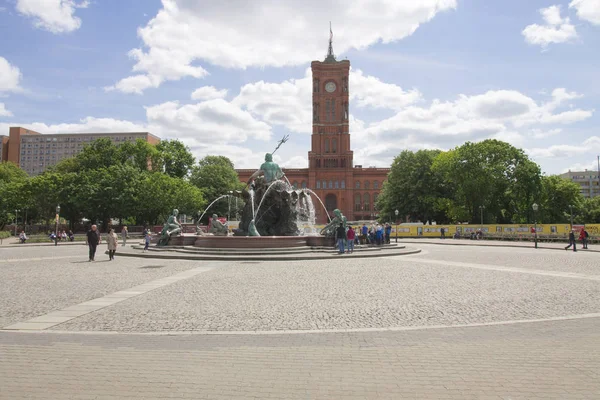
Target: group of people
{"x":112,"y":241}
{"x":346,"y":238}
{"x":583,"y":236}
{"x":62,"y":236}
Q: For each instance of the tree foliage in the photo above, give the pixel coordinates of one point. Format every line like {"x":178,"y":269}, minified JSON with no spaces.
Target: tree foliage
{"x":216,"y":176}
{"x":177,"y":161}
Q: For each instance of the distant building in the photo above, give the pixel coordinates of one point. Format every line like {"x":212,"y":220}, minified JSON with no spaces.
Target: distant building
{"x":35,"y":152}
{"x":331,"y":172}
{"x":3,"y":148}
{"x":587,"y":181}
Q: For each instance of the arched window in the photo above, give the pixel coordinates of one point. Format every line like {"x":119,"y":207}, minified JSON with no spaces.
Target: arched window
{"x":303,"y":184}
{"x":357,"y":185}
{"x":336,"y":185}
{"x":375,"y":185}
{"x":318,"y":184}
{"x":295,"y":185}
{"x":343,"y":184}
{"x":330,"y":184}
{"x":366,"y":184}
{"x":357,"y":202}
{"x":326,"y":145}
{"x":324,"y":184}
{"x":367,"y":201}
{"x":334,"y":145}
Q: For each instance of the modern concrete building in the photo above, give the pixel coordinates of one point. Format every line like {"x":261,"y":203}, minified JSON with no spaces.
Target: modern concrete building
{"x":34,"y":152}
{"x":587,"y":180}
{"x":331,"y":172}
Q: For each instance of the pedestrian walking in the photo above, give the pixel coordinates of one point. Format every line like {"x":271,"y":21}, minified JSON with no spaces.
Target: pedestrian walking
{"x":388,"y":232}
{"x":351,"y":236}
{"x":124,"y":234}
{"x":112,"y":243}
{"x":583,"y":236}
{"x":572,"y":241}
{"x":443,"y":233}
{"x":147,"y":237}
{"x":93,"y":239}
{"x":340,"y":234}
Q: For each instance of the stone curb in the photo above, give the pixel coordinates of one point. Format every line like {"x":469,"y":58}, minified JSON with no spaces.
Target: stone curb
{"x":484,"y":244}
{"x":264,"y":257}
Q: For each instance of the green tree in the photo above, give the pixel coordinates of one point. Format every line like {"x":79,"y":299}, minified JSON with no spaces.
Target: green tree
{"x":11,"y":172}
{"x":140,"y":154}
{"x":413,"y":188}
{"x":591,"y":210}
{"x":159,"y":194}
{"x":216,"y":176}
{"x":177,"y":161}
{"x":558,"y":194}
{"x":490,"y":174}
{"x":12,"y":197}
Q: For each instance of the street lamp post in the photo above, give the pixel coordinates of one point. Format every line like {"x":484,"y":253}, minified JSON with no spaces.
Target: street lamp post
{"x":229,"y":205}
{"x":237,"y":194}
{"x":571,"y":210}
{"x":16,"y":220}
{"x":396,"y":212}
{"x":56,"y":227}
{"x":535,"y":237}
{"x":481,"y":208}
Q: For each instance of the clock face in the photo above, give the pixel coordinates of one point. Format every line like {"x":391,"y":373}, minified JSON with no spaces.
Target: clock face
{"x":330,"y":87}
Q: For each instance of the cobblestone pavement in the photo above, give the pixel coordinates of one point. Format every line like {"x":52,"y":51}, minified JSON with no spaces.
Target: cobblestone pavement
{"x":558,"y":360}
{"x":552,"y":359}
{"x":37,"y":280}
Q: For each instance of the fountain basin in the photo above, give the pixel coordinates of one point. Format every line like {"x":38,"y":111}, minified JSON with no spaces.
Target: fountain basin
{"x":251,"y":242}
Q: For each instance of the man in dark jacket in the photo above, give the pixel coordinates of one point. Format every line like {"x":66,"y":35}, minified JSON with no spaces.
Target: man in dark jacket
{"x":92,"y":239}
{"x":572,"y":240}
{"x":340,"y":235}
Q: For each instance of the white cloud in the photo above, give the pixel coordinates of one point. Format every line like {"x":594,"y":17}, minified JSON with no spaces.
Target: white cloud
{"x":555,"y":30}
{"x":369,"y":91}
{"x":4,"y":112}
{"x":588,"y":10}
{"x":85,"y":125}
{"x":10,"y":76}
{"x":213,"y":121}
{"x":208,"y":93}
{"x":236,"y":34}
{"x":56,"y":16}
{"x":588,"y":146}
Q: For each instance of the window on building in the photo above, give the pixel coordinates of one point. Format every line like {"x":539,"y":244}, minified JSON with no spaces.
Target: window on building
{"x":295,"y":185}
{"x":330,"y":184}
{"x":303,"y":184}
{"x":375,"y":185}
{"x":357,"y":184}
{"x":324,"y":183}
{"x":326,"y":145}
{"x":367,"y":201}
{"x":318,"y":184}
{"x":367,"y":184}
{"x":357,"y":206}
{"x":343,"y":184}
{"x":334,"y":146}
{"x":336,"y":185}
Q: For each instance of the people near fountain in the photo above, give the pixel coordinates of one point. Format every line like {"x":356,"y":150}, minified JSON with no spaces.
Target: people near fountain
{"x":340,"y":235}
{"x":147,"y":237}
{"x":365,"y":234}
{"x":350,"y":236}
{"x":379,"y":235}
{"x":124,"y":234}
{"x":387,"y":232}
{"x":112,"y":243}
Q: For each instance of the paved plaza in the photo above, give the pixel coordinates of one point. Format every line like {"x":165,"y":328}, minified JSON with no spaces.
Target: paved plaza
{"x":452,"y":322}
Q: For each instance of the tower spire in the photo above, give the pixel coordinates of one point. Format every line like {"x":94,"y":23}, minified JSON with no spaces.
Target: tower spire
{"x":330,"y":56}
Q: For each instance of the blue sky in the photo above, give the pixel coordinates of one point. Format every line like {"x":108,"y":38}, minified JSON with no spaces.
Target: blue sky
{"x":431,"y":75}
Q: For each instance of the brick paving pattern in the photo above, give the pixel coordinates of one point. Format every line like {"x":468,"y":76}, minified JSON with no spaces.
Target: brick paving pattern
{"x":533,"y":360}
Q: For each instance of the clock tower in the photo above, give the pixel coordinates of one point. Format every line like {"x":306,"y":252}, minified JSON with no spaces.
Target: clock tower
{"x":330,"y":157}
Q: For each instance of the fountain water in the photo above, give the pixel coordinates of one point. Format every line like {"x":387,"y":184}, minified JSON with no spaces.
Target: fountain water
{"x":209,"y":206}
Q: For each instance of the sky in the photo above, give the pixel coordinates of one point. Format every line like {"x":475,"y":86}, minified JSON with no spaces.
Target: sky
{"x":232,"y":77}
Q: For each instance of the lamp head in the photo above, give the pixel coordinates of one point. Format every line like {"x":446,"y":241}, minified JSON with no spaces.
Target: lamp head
{"x":535,"y":206}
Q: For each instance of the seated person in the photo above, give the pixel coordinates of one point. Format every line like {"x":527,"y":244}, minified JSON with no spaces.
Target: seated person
{"x":22,"y":237}
{"x":52,"y":236}
{"x":63,"y":236}
{"x":71,"y":236}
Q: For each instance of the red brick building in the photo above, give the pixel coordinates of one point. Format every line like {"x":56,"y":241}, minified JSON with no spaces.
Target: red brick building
{"x":331,"y":172}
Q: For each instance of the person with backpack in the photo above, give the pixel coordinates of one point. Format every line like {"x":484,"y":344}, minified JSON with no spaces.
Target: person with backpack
{"x":583,"y":236}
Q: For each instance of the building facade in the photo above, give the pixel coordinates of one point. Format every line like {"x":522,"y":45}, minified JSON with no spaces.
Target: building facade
{"x":3,"y":148}
{"x":35,"y":152}
{"x":331,"y":172}
{"x":588,"y":181}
